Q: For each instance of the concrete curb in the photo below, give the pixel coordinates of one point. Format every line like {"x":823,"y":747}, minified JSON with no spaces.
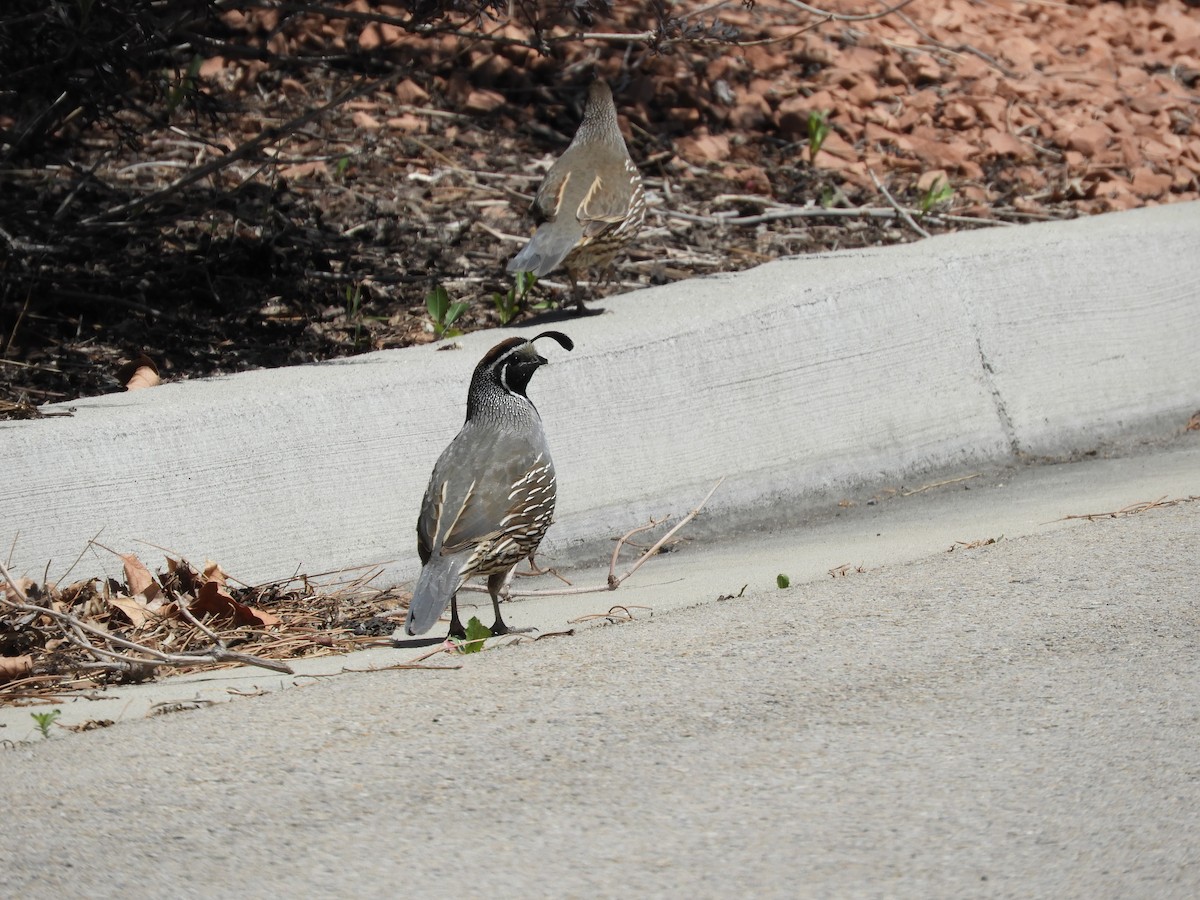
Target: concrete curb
{"x":797,"y":380}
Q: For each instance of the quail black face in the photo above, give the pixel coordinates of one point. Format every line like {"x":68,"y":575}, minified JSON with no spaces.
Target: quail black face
{"x":511,"y":363}
{"x":514,"y":371}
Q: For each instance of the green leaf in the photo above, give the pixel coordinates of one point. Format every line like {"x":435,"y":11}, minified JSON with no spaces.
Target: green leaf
{"x":437,"y":302}
{"x":524,"y":281}
{"x":783,"y":581}
{"x":454,"y":312}
{"x":506,"y":306}
{"x":477,"y":633}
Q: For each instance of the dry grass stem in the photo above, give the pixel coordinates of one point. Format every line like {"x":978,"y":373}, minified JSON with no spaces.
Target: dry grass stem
{"x":614,"y":580}
{"x":614,"y":614}
{"x":845,"y":569}
{"x":974,"y":545}
{"x":936,"y":484}
{"x":1132,"y":509}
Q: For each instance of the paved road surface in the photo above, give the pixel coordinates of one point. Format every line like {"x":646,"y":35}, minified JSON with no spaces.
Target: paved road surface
{"x":1018,"y":720}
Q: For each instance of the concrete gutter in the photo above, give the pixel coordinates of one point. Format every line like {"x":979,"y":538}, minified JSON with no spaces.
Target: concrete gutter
{"x":798,"y":380}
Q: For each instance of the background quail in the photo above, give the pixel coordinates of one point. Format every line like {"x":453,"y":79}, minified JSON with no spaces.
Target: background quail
{"x":491,"y":496}
{"x":591,"y":203}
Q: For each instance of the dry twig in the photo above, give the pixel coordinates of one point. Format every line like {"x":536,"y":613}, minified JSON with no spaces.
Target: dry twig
{"x":974,"y":545}
{"x":845,"y":569}
{"x":75,"y":631}
{"x":841,"y":17}
{"x":617,"y":613}
{"x":614,"y":581}
{"x":904,"y":213}
{"x":1132,"y":509}
{"x":935,"y":484}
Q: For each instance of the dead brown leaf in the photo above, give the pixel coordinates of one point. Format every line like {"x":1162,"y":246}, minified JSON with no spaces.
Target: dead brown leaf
{"x":181,"y":577}
{"x":265,"y":619}
{"x":214,"y":600}
{"x":136,"y":611}
{"x":139,"y":373}
{"x":18,"y":589}
{"x":213,"y":572}
{"x":366,"y":121}
{"x":14,"y":667}
{"x":305,"y":170}
{"x":138,"y":578}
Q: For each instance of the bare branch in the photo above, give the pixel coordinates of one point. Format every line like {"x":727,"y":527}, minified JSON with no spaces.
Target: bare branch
{"x":76,"y":631}
{"x":839,"y":17}
{"x":264,"y":138}
{"x":904,"y":214}
{"x":12,"y":583}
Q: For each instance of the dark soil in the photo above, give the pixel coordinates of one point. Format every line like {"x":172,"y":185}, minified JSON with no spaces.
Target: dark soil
{"x":326,"y":242}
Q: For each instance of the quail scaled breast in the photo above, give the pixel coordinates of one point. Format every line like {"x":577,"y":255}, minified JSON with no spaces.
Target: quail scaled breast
{"x":591,"y":203}
{"x":491,"y":496}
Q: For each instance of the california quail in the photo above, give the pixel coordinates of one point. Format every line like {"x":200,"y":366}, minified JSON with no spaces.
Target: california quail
{"x":591,"y":203}
{"x":491,"y":496}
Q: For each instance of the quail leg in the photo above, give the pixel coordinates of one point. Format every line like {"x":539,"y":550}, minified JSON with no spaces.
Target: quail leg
{"x":582,"y":310}
{"x":456,"y":626}
{"x":496,"y":584}
{"x":577,"y":294}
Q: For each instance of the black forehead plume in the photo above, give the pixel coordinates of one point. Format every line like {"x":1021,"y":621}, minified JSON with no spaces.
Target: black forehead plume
{"x":563,"y":341}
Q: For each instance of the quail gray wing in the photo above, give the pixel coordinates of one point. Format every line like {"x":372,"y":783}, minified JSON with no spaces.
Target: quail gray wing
{"x":489,"y":502}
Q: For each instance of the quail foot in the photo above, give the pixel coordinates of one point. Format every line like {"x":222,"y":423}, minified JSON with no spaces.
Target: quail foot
{"x":591,"y":203}
{"x":491,"y":496}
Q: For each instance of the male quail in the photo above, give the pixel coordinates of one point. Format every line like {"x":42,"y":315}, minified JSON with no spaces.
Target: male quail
{"x":491,"y":496}
{"x":590,"y":204}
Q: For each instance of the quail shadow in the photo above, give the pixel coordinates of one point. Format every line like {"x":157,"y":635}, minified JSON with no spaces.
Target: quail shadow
{"x":416,"y":642}
{"x":552,"y":316}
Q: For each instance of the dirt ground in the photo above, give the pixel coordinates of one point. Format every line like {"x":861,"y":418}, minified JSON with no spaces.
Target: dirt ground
{"x":326,"y":243}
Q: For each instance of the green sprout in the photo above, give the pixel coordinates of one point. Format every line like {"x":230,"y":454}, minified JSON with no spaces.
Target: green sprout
{"x":818,"y":130}
{"x":45,"y":720}
{"x":354,"y":296}
{"x":443,"y":312}
{"x":782,"y":581}
{"x":509,"y":305}
{"x":938,"y":192}
{"x":182,"y":86}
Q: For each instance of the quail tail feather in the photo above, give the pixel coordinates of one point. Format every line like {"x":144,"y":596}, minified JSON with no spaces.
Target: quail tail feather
{"x":439,"y":581}
{"x":546,"y":250}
